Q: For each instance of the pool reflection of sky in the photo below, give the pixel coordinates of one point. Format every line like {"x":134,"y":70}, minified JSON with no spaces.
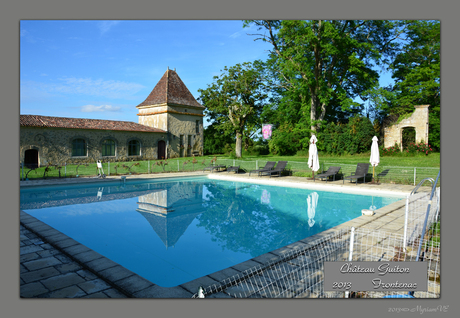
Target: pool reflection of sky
{"x":173,"y":232}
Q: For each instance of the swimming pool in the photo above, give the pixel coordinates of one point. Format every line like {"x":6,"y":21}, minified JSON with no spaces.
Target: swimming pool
{"x":171,"y":232}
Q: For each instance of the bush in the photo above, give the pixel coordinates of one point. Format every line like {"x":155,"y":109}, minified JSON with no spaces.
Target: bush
{"x":413,"y":149}
{"x":351,"y":138}
{"x":302,"y":153}
{"x":257,"y":150}
{"x":420,"y":148}
{"x":395,"y":150}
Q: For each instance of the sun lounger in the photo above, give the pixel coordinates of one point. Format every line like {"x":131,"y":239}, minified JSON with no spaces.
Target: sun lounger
{"x":277,"y":170}
{"x":215,"y":167}
{"x":361,"y":172}
{"x":331,"y":172}
{"x":233,"y":168}
{"x":268,"y":166}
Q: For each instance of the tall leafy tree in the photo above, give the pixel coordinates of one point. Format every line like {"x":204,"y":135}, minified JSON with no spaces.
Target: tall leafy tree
{"x":216,"y":140}
{"x":417,"y":73}
{"x":236,"y":99}
{"x":327,"y":63}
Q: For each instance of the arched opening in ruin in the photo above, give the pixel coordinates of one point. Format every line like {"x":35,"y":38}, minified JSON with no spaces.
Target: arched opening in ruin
{"x":416,"y":126}
{"x":408,"y":135}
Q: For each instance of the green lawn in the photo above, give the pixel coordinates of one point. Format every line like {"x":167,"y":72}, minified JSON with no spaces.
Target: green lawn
{"x":431,"y":160}
{"x":399,"y":169}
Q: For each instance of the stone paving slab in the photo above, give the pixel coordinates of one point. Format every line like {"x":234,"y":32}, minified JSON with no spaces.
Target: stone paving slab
{"x":32,"y":290}
{"x":63,"y":280}
{"x":39,"y":274}
{"x":193,"y":285}
{"x":116,"y":273}
{"x":133,"y":284}
{"x":156,"y":291}
{"x":93,"y":286}
{"x":60,"y":267}
{"x":48,"y":273}
{"x":42,"y":263}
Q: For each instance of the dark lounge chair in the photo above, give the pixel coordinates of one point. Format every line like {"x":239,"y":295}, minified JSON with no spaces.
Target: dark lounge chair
{"x":278,"y":169}
{"x":361,"y":172}
{"x":212,"y":167}
{"x":233,"y":168}
{"x":268,"y":166}
{"x":331,"y":172}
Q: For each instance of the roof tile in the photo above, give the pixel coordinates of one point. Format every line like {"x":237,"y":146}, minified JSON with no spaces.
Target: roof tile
{"x":170,"y":89}
{"x":83,"y":123}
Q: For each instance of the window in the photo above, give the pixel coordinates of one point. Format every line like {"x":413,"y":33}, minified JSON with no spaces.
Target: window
{"x":197,"y":127}
{"x":78,"y":147}
{"x":108,"y":148}
{"x":134,"y":148}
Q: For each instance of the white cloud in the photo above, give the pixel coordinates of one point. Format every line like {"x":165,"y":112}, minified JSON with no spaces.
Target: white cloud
{"x":105,"y":26}
{"x":81,"y":86}
{"x":98,"y":87}
{"x":102,"y":108}
{"x":235,"y":35}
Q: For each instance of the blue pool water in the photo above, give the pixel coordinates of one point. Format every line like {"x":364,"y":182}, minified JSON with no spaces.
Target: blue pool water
{"x":171,"y":232}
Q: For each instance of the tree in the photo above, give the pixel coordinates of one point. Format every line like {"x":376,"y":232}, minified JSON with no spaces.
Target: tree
{"x":417,"y":73}
{"x":236,"y":99}
{"x":216,"y":140}
{"x":328,"y":62}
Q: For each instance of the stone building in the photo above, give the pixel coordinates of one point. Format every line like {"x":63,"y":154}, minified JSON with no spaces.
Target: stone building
{"x":419,"y":120}
{"x":170,"y":126}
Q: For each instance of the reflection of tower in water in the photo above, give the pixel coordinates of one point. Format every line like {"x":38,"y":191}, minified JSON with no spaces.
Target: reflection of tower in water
{"x":171,"y":210}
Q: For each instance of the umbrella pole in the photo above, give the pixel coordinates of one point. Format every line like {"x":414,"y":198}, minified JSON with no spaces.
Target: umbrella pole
{"x":373,"y":176}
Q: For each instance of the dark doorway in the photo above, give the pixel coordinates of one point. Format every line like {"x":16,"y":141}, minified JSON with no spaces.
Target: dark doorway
{"x":161,"y":149}
{"x":31,"y":158}
{"x":408,"y":136}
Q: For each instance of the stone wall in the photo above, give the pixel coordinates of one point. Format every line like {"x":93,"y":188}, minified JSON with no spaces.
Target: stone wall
{"x":177,"y":120}
{"x":418,"y":120}
{"x":185,"y":125}
{"x":54,"y":145}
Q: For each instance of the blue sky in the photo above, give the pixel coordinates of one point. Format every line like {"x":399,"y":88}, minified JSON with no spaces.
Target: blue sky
{"x":104,"y":69}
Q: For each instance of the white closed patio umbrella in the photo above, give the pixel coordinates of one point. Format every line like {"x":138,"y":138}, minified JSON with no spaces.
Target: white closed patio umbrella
{"x":312,"y":202}
{"x":375,"y":156}
{"x":313,"y":161}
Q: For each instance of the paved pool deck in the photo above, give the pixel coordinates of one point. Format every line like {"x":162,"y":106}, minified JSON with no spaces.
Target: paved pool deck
{"x":53,"y":265}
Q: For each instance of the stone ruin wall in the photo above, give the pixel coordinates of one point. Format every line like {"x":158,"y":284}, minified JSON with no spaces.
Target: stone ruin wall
{"x":418,"y":120}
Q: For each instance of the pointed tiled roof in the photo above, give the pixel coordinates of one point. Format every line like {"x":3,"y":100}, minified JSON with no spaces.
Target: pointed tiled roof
{"x":170,"y":90}
{"x":83,"y":123}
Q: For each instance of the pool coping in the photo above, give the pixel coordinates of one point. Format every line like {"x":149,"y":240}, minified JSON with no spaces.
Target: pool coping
{"x":135,"y":286}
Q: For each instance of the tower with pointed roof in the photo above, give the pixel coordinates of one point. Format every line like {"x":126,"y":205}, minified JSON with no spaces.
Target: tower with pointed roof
{"x":171,"y":107}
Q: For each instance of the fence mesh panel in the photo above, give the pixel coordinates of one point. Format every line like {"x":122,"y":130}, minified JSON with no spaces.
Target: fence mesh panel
{"x":416,"y":210}
{"x":386,"y":174}
{"x":300,"y":273}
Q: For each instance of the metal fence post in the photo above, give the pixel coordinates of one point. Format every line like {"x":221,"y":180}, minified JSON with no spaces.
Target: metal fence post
{"x":22,"y":164}
{"x":148,"y":166}
{"x":108,"y":168}
{"x":65,"y":169}
{"x":178,"y":169}
{"x":415,"y":174}
{"x":406,"y":217}
{"x":350,"y":252}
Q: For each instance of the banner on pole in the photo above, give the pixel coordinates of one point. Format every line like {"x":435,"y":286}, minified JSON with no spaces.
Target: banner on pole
{"x":267,"y":131}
